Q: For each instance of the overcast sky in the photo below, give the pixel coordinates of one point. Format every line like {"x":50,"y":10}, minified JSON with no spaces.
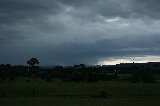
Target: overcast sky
{"x":67,"y":32}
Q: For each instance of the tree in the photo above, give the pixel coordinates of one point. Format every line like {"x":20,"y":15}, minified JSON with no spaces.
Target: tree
{"x":32,"y":62}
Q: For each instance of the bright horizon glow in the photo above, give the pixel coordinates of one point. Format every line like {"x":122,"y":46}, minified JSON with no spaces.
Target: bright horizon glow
{"x":144,"y":59}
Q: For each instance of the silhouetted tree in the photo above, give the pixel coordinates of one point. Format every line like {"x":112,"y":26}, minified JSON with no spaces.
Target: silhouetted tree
{"x":32,"y":62}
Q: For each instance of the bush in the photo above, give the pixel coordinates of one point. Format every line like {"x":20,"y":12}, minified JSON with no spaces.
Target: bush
{"x":142,"y":76}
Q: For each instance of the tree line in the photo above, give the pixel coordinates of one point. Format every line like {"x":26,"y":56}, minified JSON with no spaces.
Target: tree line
{"x":76,"y":73}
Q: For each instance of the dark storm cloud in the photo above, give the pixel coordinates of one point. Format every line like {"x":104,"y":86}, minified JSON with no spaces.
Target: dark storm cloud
{"x":77,"y":31}
{"x":122,"y":8}
{"x":19,"y":16}
{"x":108,"y":8}
{"x":149,"y":8}
{"x":76,"y":53}
{"x":13,"y":11}
{"x":17,"y":10}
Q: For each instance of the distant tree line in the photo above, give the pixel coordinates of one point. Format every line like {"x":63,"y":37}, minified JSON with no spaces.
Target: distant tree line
{"x":71,"y":73}
{"x":78,"y":73}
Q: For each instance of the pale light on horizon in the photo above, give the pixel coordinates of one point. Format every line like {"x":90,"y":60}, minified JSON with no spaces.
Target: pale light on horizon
{"x":144,"y":59}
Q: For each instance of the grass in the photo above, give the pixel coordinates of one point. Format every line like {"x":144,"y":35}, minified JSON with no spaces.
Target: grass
{"x":80,"y":102}
{"x":79,"y":94}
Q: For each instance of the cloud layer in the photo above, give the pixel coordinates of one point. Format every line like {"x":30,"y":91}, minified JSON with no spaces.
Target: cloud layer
{"x":68,"y":32}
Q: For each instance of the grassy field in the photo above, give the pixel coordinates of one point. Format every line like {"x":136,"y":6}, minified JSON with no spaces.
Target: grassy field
{"x":117,"y":93}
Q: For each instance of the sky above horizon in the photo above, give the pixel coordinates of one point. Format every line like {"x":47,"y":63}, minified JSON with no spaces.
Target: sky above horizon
{"x":68,"y":32}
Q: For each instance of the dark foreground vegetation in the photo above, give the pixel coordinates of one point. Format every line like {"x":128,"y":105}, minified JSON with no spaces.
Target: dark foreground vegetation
{"x":79,"y":73}
{"x":79,"y":85}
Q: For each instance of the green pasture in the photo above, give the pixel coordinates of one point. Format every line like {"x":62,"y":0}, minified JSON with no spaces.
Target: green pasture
{"x":58,"y":93}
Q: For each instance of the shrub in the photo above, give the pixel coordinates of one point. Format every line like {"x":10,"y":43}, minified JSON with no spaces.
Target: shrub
{"x":142,"y":76}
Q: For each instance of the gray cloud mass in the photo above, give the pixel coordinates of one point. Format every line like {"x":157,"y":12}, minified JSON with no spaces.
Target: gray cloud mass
{"x":67,"y":32}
